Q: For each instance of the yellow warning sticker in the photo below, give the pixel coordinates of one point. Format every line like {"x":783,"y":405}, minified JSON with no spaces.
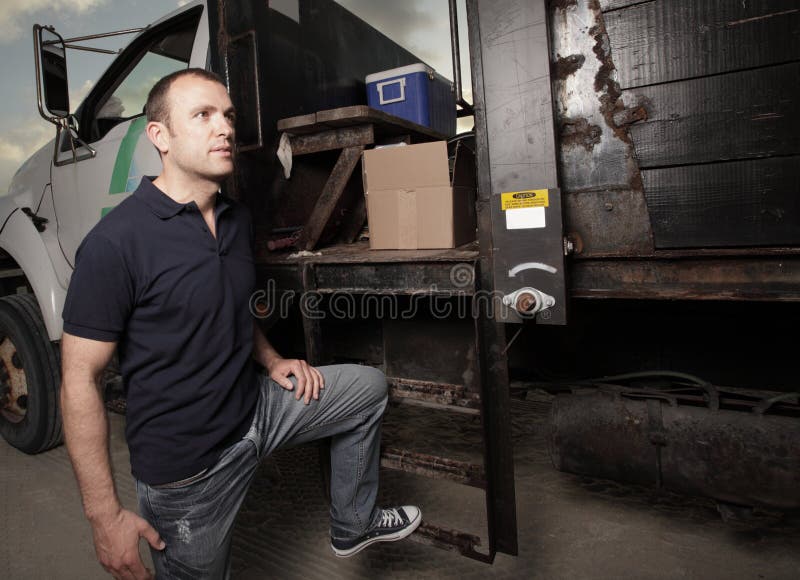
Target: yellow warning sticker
{"x":522,"y":199}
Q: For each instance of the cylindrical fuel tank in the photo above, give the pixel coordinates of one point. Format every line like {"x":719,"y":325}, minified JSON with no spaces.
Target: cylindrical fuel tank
{"x":739,"y":457}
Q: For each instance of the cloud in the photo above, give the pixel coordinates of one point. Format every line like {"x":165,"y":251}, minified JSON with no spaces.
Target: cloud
{"x":411,"y":24}
{"x":420,"y":26}
{"x":22,"y":141}
{"x":76,"y":96}
{"x":15,"y":16}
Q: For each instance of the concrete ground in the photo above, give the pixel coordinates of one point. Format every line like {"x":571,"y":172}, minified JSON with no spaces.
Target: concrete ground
{"x":569,"y":526}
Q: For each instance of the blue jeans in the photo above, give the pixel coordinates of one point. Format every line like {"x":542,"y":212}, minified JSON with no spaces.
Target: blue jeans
{"x":195,"y":516}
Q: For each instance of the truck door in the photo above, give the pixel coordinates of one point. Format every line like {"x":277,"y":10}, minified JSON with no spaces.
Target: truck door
{"x":111,"y":121}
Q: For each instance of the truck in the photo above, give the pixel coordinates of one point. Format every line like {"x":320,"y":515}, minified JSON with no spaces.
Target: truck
{"x":637,"y":247}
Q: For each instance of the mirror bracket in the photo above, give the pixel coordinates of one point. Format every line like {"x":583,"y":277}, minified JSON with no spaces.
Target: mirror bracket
{"x":64,"y":127}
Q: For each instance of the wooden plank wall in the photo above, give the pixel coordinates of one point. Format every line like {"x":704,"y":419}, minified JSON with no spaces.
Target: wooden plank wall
{"x":720,"y":149}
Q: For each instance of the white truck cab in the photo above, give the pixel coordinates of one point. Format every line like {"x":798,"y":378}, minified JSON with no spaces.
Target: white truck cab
{"x":97,"y":158}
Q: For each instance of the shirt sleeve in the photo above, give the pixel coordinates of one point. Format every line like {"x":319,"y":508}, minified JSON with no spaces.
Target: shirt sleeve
{"x":100,"y":297}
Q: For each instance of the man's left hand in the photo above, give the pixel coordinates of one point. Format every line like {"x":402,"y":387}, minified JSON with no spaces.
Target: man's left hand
{"x":309,"y":379}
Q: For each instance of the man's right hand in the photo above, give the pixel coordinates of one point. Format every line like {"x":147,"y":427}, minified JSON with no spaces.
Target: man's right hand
{"x":116,"y":541}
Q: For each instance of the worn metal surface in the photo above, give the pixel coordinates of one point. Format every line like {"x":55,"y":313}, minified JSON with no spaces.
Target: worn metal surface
{"x":597,"y":158}
{"x":519,"y":121}
{"x":490,"y":341}
{"x":612,"y":222}
{"x":517,"y":95}
{"x":435,"y":344}
{"x":426,"y":278}
{"x":360,"y":253}
{"x":442,"y":395}
{"x":432,"y":466}
{"x":448,"y":539}
{"x":711,"y":278}
{"x":743,"y":458}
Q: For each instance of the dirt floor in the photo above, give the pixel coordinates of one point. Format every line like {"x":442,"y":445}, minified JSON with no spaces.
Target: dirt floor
{"x":569,"y":526}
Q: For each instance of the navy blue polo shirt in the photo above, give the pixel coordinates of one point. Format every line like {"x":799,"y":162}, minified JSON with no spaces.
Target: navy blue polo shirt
{"x":151,"y":277}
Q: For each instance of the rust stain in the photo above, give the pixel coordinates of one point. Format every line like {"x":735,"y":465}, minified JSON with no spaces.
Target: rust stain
{"x":433,"y":466}
{"x":563,"y":4}
{"x":610,"y":92}
{"x":441,"y":393}
{"x":579,"y":132}
{"x":630,"y":116}
{"x":764,"y":17}
{"x":567,"y":65}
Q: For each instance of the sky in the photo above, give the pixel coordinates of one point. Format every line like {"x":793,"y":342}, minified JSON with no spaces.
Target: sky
{"x":421,"y":26}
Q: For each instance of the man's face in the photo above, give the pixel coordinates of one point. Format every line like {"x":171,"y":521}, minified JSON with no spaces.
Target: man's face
{"x":201,"y":129}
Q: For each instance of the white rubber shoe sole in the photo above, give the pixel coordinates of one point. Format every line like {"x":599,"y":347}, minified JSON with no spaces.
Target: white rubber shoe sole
{"x":415,"y":519}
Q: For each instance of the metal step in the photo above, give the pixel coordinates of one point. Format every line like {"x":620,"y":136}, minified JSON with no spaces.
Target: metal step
{"x":444,"y":396}
{"x":433,"y":466}
{"x":451,"y":540}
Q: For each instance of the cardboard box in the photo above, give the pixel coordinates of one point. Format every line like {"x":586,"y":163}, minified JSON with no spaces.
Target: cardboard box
{"x":413,"y":203}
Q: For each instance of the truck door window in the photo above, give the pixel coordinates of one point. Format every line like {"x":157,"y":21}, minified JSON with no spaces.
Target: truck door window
{"x":126,"y":91}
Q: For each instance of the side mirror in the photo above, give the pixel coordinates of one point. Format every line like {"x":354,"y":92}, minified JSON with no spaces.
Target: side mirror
{"x":52,"y":87}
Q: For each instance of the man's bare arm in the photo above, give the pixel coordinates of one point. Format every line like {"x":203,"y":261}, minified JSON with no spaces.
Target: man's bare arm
{"x":309,"y":379}
{"x":116,"y":531}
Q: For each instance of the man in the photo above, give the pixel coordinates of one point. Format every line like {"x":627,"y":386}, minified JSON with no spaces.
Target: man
{"x":166,"y":277}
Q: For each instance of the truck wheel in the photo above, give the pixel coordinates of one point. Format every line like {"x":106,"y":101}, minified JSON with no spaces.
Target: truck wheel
{"x":30,"y":418}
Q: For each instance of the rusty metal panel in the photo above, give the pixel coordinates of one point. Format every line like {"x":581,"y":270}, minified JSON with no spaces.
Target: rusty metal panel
{"x":595,"y":151}
{"x":604,"y":200}
{"x":434,"y":467}
{"x":608,"y":223}
{"x":768,"y":277}
{"x":451,"y":397}
{"x":670,"y":437}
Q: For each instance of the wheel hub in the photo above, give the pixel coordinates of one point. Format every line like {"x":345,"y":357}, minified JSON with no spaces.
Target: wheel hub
{"x":13,"y":383}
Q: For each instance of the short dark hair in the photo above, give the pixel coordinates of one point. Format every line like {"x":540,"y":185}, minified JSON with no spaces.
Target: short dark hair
{"x":157,"y":106}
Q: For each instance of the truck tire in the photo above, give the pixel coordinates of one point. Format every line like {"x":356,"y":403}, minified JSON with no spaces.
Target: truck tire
{"x":30,"y":418}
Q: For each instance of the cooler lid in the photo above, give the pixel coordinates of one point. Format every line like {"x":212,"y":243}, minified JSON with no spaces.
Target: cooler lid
{"x":399,"y":72}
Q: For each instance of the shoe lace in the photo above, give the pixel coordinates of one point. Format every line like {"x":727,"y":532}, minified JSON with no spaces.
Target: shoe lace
{"x":390,"y":518}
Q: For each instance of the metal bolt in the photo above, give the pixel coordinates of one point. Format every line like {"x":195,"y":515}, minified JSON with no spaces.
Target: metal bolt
{"x":526,"y":302}
{"x":609,"y":206}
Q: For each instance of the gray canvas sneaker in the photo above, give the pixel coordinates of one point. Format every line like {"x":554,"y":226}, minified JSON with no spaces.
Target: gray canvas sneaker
{"x":391,"y":525}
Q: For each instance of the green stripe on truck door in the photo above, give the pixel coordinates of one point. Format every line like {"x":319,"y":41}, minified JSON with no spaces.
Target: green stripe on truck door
{"x":122,"y":166}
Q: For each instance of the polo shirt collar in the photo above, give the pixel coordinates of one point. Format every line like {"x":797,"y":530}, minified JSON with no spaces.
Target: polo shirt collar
{"x":163,"y":205}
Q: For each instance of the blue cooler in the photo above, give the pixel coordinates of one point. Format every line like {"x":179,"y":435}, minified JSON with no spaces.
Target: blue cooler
{"x":417,"y":93}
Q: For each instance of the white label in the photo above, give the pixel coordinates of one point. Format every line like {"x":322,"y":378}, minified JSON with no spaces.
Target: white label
{"x":525,"y":218}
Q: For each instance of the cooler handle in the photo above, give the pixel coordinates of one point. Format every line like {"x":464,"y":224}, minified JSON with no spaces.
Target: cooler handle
{"x":401,"y":81}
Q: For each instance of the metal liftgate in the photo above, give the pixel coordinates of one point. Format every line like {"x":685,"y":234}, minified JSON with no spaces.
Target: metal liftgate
{"x":515,"y":155}
{"x":495,"y":474}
